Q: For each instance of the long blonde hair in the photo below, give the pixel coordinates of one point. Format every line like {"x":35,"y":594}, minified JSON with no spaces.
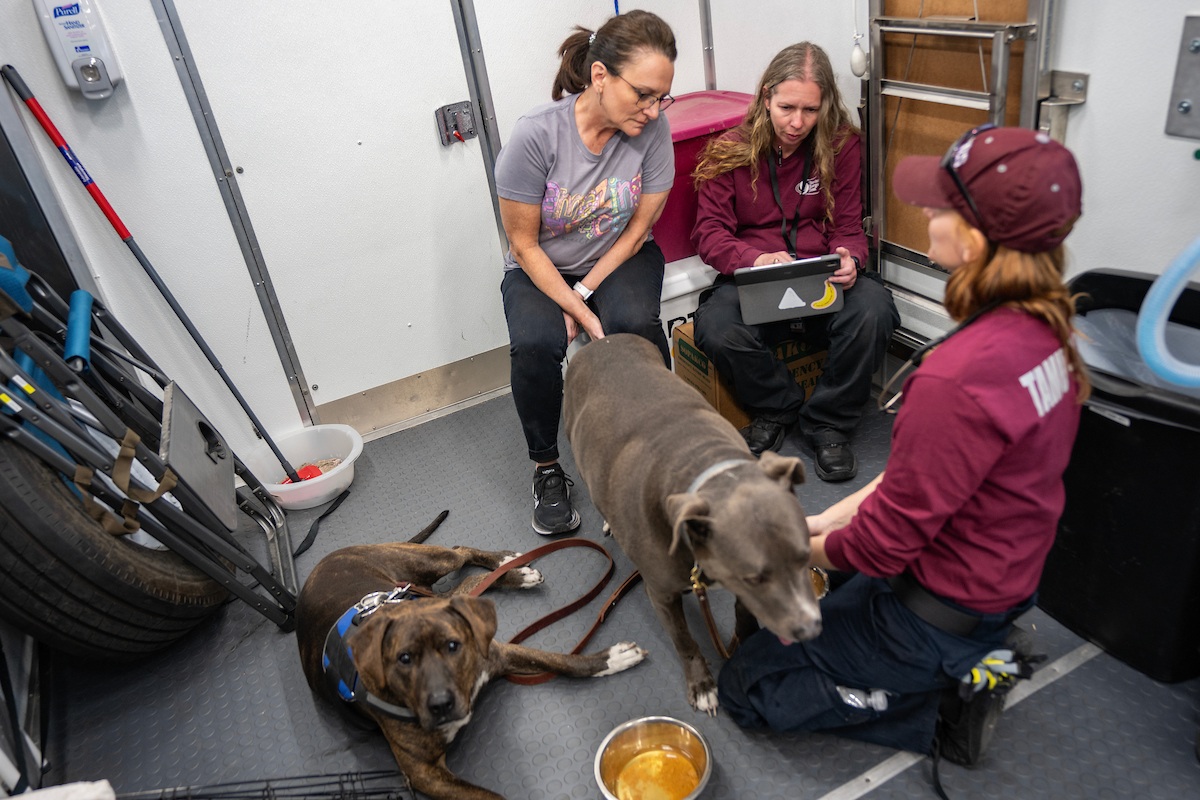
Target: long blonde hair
{"x":1031,"y":282}
{"x":755,"y":135}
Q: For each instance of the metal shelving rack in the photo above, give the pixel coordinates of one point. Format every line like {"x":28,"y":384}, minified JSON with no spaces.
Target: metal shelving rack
{"x":1035,"y":88}
{"x":1044,"y":98}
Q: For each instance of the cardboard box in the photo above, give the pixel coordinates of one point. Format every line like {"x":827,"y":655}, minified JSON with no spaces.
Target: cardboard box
{"x":697,"y":371}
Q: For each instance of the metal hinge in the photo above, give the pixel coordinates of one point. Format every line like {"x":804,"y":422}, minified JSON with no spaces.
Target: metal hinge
{"x":1066,"y":89}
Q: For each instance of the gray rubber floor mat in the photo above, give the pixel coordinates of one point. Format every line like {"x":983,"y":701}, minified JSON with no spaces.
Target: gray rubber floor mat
{"x":230,"y":704}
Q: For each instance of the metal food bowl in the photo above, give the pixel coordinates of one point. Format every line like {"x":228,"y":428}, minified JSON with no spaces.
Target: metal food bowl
{"x":652,"y":737}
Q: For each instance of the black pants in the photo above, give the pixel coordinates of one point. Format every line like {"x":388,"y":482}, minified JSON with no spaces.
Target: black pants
{"x":627,"y":302}
{"x":857,"y":337}
{"x":870,"y":641}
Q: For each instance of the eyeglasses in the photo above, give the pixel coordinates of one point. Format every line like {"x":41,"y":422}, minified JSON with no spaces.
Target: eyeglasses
{"x":645,"y":99}
{"x":949,"y":163}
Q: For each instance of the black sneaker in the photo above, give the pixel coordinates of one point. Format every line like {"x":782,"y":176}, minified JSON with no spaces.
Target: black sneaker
{"x":552,"y":510}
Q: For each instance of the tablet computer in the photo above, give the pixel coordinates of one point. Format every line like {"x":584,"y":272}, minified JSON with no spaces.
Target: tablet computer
{"x":791,"y":290}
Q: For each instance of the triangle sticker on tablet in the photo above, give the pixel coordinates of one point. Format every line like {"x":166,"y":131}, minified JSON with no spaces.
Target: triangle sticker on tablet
{"x":791,"y":300}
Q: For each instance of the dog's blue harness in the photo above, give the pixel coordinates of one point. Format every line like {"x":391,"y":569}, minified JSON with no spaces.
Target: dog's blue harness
{"x":338,"y":661}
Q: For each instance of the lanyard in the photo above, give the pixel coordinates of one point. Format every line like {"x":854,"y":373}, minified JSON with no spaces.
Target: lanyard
{"x":789,"y":236}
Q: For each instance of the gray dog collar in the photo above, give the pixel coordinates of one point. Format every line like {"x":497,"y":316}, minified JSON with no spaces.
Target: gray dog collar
{"x":713,"y":471}
{"x":695,"y":486}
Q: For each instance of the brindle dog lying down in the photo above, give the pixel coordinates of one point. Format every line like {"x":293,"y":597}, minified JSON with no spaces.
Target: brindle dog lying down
{"x":678,"y":488}
{"x":415,"y":665}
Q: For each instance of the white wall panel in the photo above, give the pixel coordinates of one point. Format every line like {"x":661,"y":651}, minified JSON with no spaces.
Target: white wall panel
{"x":748,"y":33}
{"x":521,"y":39}
{"x":1139,"y":185}
{"x":142,"y":149}
{"x":380,"y":241}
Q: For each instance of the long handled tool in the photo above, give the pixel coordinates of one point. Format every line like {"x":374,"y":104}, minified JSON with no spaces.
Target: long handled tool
{"x":18,"y":84}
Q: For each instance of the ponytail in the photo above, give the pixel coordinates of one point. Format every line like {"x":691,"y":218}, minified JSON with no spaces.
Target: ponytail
{"x":613,"y":45}
{"x":574,"y":71}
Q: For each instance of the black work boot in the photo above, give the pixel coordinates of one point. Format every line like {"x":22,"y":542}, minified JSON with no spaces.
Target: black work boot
{"x":835,"y":461}
{"x":764,"y":434}
{"x":969,"y":712}
{"x":965,"y":725}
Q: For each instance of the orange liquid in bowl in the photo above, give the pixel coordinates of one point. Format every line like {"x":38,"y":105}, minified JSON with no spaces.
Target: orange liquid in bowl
{"x":657,"y":775}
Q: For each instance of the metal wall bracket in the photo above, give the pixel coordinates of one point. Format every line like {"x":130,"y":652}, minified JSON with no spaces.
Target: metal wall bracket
{"x":456,"y":123}
{"x":1066,"y":89}
{"x":1183,"y":116}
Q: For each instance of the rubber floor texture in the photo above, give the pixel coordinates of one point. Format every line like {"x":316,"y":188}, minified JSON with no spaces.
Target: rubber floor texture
{"x":230,"y":704}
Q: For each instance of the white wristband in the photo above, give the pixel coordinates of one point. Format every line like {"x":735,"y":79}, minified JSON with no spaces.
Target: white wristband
{"x":583,"y":291}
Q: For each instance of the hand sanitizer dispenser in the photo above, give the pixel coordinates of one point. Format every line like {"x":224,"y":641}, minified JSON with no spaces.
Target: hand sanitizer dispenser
{"x":80,"y":48}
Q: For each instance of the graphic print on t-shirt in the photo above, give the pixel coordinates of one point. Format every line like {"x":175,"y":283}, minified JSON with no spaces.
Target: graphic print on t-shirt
{"x":606,"y":208}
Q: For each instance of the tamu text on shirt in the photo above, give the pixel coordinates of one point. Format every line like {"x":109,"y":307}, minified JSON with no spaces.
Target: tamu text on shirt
{"x":1048,"y":382}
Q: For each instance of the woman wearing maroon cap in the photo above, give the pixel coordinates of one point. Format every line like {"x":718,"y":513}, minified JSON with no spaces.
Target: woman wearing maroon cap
{"x":949,"y":543}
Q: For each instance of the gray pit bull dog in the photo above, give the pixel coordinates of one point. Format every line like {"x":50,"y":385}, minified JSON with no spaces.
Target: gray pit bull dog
{"x":415,"y":665}
{"x":678,"y":487}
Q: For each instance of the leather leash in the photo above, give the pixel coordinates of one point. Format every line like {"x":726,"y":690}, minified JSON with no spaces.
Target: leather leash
{"x":569,"y":608}
{"x":700,"y":589}
{"x":820,"y":582}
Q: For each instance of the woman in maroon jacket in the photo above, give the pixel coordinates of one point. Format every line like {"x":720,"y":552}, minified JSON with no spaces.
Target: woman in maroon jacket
{"x":947,"y":546}
{"x":785,"y":184}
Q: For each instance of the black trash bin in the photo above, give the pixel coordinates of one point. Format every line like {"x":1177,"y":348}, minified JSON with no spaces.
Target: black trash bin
{"x":1124,"y":571}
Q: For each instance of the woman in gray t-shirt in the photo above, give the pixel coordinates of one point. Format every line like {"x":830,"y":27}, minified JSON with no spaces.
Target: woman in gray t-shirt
{"x":581,"y":181}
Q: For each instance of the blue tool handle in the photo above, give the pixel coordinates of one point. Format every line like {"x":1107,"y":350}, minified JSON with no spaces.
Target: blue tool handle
{"x":13,"y":279}
{"x":77,"y":350}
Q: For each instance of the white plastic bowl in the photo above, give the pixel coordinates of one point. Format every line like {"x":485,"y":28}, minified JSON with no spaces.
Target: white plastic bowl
{"x":304,"y":447}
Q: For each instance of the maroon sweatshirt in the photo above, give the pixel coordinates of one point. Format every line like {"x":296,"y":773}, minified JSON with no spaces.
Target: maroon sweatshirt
{"x":973,"y":490}
{"x":736,"y":221}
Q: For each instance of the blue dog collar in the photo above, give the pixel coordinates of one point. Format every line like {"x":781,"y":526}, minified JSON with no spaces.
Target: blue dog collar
{"x":337,"y":661}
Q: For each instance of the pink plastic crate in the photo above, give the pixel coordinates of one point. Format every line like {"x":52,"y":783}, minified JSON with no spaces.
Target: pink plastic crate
{"x":695,"y":118}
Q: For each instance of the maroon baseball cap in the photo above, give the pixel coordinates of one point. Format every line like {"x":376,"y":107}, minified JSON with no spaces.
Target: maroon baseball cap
{"x":1020,"y":187}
